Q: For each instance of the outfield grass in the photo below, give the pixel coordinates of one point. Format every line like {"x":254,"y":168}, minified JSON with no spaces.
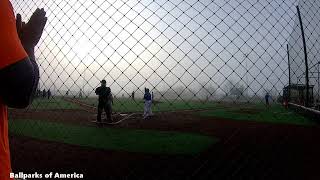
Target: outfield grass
{"x":258,"y":112}
{"x":250,"y":112}
{"x":129,"y":105}
{"x":53,"y":103}
{"x":144,"y":141}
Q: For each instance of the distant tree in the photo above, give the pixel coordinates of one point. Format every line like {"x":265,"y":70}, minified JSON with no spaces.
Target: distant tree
{"x":235,"y":89}
{"x":210,"y":90}
{"x":80,"y":93}
{"x":205,"y":92}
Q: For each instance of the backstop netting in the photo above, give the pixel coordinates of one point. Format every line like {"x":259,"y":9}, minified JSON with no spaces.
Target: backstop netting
{"x":182,"y":51}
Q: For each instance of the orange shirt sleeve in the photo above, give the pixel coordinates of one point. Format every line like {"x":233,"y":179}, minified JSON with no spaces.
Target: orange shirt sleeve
{"x":5,"y":163}
{"x":11,"y":49}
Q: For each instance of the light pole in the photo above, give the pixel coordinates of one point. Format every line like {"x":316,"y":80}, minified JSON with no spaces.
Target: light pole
{"x":84,"y":75}
{"x":246,"y":56}
{"x":305,"y":57}
{"x":318,"y":82}
{"x":82,"y":91}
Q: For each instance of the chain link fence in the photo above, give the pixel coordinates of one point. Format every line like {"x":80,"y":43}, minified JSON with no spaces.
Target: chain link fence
{"x":189,"y":51}
{"x":193,"y":55}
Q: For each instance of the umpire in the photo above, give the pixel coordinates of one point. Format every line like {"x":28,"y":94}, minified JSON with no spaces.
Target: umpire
{"x":105,"y":101}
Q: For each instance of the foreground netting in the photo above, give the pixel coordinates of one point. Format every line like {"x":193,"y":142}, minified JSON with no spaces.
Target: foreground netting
{"x":182,"y":51}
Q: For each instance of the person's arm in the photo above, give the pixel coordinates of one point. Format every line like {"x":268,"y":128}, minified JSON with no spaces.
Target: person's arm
{"x":97,"y":91}
{"x":19,"y":77}
{"x":111,"y":96}
{"x":19,"y":83}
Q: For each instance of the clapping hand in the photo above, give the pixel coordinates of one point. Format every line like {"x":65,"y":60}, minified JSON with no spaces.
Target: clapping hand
{"x":30,"y":33}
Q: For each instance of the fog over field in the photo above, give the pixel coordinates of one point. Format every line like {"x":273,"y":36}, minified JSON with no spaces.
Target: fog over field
{"x":173,"y":47}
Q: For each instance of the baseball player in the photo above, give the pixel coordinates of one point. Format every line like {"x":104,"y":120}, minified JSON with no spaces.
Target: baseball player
{"x":267,"y":97}
{"x":105,"y":101}
{"x":147,"y":104}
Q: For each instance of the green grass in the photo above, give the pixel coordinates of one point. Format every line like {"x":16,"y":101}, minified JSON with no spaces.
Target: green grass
{"x":258,"y":112}
{"x":144,"y":141}
{"x":129,"y":105}
{"x":53,"y":103}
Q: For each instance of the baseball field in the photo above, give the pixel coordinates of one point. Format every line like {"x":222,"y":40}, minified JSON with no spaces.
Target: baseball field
{"x":217,"y":140}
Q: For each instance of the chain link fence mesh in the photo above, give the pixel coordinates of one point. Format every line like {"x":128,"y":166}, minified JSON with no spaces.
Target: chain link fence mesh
{"x":189,"y":51}
{"x":191,"y":54}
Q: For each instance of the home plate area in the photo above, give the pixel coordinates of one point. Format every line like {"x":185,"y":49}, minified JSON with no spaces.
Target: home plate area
{"x":117,"y":118}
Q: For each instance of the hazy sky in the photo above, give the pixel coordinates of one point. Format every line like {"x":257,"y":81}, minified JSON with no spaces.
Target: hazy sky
{"x":164,"y":44}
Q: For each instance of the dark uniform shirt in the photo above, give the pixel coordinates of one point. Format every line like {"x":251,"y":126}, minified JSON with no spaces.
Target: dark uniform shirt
{"x":147,"y":96}
{"x":267,"y":97}
{"x":103,"y":93}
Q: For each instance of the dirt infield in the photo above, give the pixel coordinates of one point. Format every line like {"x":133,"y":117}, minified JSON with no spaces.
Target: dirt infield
{"x":247,"y":150}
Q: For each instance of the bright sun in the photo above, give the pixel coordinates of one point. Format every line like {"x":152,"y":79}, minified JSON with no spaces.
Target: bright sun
{"x":82,"y":48}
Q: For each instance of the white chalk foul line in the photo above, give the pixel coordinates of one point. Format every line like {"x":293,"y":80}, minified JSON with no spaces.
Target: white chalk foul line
{"x":117,"y":122}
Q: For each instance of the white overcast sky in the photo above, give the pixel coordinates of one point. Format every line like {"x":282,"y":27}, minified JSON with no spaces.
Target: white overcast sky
{"x":165,"y":44}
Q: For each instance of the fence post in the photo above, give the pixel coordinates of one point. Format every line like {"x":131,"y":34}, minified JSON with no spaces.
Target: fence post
{"x":289,"y":87}
{"x":305,"y":58}
{"x":318,"y":83}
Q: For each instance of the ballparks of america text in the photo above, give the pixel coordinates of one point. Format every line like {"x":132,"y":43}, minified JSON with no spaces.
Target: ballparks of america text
{"x":50,"y":175}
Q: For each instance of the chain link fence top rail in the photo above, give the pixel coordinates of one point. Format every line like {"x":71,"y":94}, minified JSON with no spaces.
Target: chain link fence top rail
{"x":181,"y":50}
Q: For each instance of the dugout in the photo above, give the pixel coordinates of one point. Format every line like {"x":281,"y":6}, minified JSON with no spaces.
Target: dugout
{"x":296,"y":93}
